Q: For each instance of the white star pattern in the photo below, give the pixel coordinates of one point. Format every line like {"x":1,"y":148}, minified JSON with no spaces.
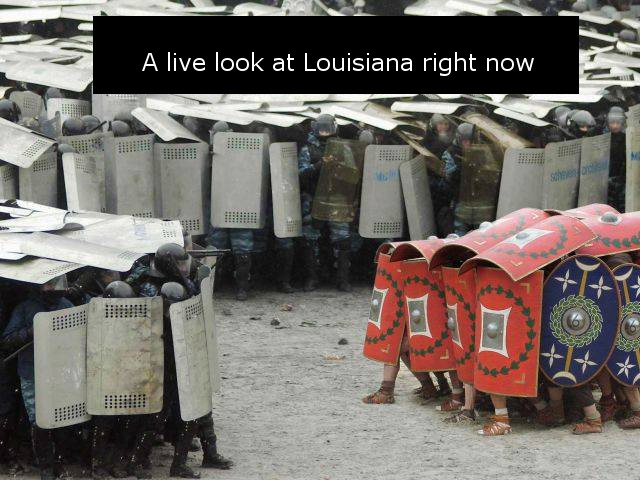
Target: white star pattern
{"x":552,"y":355}
{"x":585,"y":362}
{"x":599,"y":286}
{"x":636,"y":287}
{"x":625,"y":367}
{"x":565,"y":281}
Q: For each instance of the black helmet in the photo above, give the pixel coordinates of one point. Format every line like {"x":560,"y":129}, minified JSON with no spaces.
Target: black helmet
{"x":120,"y":128}
{"x":123,"y":116}
{"x":138,"y":127}
{"x":65,"y":148}
{"x":220,"y":126}
{"x":581,"y":123}
{"x":173,"y":292}
{"x":119,"y":289}
{"x":90,"y":122}
{"x":559,"y":114}
{"x":9,"y":110}
{"x":465,"y":131}
{"x":172,"y":260}
{"x":325,"y":125}
{"x":73,"y":126}
{"x":53,"y":92}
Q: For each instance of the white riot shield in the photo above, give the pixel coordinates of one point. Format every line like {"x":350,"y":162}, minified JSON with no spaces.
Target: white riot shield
{"x":106,"y":106}
{"x":39,"y":182}
{"x":561,"y":175}
{"x":632,"y":190}
{"x":594,"y":169}
{"x":285,"y":190}
{"x":20,"y":146}
{"x":35,"y":270}
{"x":125,"y":356}
{"x":8,"y":181}
{"x":68,"y":108}
{"x":60,"y":359}
{"x":30,"y":103}
{"x":191,"y":356}
{"x":239,"y":180}
{"x":82,"y":184}
{"x":417,"y":198}
{"x":182,"y":184}
{"x":381,"y":203}
{"x":211,"y":330}
{"x":128,"y":167}
{"x":521,"y":181}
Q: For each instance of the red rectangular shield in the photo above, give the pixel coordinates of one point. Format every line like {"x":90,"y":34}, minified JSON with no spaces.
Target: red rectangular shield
{"x":507,"y":332}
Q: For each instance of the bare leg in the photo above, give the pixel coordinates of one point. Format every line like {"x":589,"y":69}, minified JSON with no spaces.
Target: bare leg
{"x":385,"y":392}
{"x":633,"y":421}
{"x":500,"y":421}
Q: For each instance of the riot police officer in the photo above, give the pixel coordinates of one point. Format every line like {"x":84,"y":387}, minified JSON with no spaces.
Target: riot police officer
{"x":581,"y":124}
{"x":617,"y":168}
{"x":439,"y":135}
{"x":9,"y":110}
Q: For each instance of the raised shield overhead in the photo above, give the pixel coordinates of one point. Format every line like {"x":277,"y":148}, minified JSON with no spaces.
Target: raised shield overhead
{"x":386,"y":324}
{"x":594,"y":169}
{"x":616,"y":233}
{"x":8,"y":181}
{"x":338,"y":188}
{"x":129,"y":180}
{"x":35,"y":270}
{"x":479,"y":184}
{"x":20,"y":146}
{"x":561,"y":175}
{"x":39,"y":182}
{"x":68,"y":108}
{"x":580,"y":315}
{"x":211,"y":330}
{"x":632,"y":190}
{"x":507,"y":333}
{"x":239,"y":180}
{"x":417,"y":198}
{"x":125,"y":356}
{"x":182,"y":182}
{"x":381,"y":202}
{"x":82,"y":184}
{"x":624,"y":362}
{"x":285,"y":190}
{"x":30,"y":103}
{"x":60,"y":360}
{"x":107,"y":106}
{"x":521,"y":182}
{"x":586,"y":211}
{"x":191,"y":357}
{"x":460,"y":293}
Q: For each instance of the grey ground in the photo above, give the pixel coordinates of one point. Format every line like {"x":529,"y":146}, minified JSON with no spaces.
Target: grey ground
{"x":290,"y":408}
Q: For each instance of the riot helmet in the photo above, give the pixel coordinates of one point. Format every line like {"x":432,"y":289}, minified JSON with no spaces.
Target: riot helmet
{"x":65,"y":148}
{"x":441,"y":127}
{"x":325,"y":125}
{"x":53,"y":92}
{"x":120,"y":128}
{"x":119,"y":289}
{"x":581,"y":123}
{"x":616,"y":120}
{"x":72,"y":126}
{"x":138,"y":127}
{"x":172,"y":260}
{"x":366,"y":136}
{"x":464,"y":134}
{"x":90,"y":122}
{"x":220,"y":126}
{"x":560,"y":113}
{"x":9,"y":110}
{"x":580,"y":6}
{"x":628,"y":35}
{"x":173,"y":292}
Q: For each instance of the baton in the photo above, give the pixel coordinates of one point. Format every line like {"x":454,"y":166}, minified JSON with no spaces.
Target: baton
{"x":97,"y":127}
{"x":17,"y":352}
{"x":207,"y":253}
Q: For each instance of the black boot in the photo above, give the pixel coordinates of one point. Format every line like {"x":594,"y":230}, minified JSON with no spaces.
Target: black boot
{"x":310,"y":266}
{"x":242,"y":275}
{"x":99,"y":438}
{"x":284,"y":261}
{"x":343,"y":263}
{"x":8,"y":454}
{"x":125,"y":432}
{"x":210,"y":458}
{"x":179,"y":467}
{"x":44,"y":452}
{"x":140,"y":455}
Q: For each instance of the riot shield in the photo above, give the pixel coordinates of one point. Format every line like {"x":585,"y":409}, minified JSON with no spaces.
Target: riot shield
{"x":417,"y":198}
{"x":632,"y":190}
{"x":68,"y":108}
{"x":39,"y":182}
{"x":211,"y":330}
{"x":381,"y":202}
{"x":60,"y":360}
{"x":338,"y":189}
{"x":182,"y":183}
{"x":561,"y":175}
{"x":129,"y":180}
{"x":8,"y":181}
{"x":594,"y":169}
{"x":191,"y":356}
{"x":125,"y":356}
{"x":106,"y":106}
{"x":30,"y":103}
{"x":285,"y":190}
{"x":239,"y":180}
{"x":82,"y":184}
{"x":521,"y":182}
{"x":479,"y":184}
{"x":35,"y":270}
{"x":20,"y":146}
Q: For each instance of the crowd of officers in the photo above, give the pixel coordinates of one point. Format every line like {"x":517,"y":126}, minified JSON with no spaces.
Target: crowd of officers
{"x":117,"y":446}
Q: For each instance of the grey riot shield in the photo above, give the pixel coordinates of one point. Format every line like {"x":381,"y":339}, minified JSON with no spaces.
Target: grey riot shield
{"x":285,"y":190}
{"x":20,"y":146}
{"x":298,"y":7}
{"x":39,"y":182}
{"x":211,"y":330}
{"x":128,"y":167}
{"x":239,"y":180}
{"x":191,"y":356}
{"x":381,"y":202}
{"x":68,"y":108}
{"x":479,"y":184}
{"x":60,"y":359}
{"x":338,"y":188}
{"x":30,"y":103}
{"x":125,"y":356}
{"x":561,"y":175}
{"x":182,"y":184}
{"x":521,"y":182}
{"x":106,"y":106}
{"x":35,"y":270}
{"x":52,"y":128}
{"x":82,"y":184}
{"x":417,"y":198}
{"x":632,"y":190}
{"x":8,"y":181}
{"x":594,"y":169}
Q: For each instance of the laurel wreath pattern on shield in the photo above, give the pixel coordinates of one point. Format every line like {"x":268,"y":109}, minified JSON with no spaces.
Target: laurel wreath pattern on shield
{"x":529,"y":322}
{"x":588,"y":306}
{"x":399,"y":312}
{"x":557,"y":248}
{"x":472,"y":317}
{"x":434,"y":288}
{"x":518,"y":228}
{"x":624,"y":344}
{"x":620,"y":242}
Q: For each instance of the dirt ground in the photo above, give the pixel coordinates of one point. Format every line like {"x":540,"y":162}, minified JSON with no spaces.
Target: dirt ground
{"x":290,"y":408}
